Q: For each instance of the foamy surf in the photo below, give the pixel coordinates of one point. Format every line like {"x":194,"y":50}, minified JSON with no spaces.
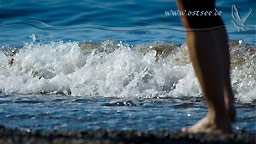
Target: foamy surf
{"x":113,"y":69}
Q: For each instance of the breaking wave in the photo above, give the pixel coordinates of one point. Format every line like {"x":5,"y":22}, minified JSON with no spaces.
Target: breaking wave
{"x":113,"y":69}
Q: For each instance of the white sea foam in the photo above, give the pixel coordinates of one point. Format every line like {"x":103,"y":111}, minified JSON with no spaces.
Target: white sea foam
{"x":112,"y":69}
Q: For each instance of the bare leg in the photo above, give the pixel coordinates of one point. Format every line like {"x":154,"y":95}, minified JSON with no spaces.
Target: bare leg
{"x":222,"y":39}
{"x":208,"y":62}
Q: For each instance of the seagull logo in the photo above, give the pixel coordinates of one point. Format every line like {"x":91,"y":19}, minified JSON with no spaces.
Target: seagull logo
{"x":237,"y":20}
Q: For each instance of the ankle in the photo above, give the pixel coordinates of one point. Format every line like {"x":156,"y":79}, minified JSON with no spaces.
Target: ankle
{"x":217,"y":118}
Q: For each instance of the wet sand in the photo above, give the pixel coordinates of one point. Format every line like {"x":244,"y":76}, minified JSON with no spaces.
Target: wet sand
{"x":14,"y":136}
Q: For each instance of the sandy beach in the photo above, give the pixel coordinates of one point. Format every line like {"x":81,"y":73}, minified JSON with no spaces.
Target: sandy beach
{"x":14,"y":136}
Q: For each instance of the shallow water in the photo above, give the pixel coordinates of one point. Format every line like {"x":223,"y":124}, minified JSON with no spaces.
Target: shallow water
{"x":116,"y":65}
{"x":82,"y":113}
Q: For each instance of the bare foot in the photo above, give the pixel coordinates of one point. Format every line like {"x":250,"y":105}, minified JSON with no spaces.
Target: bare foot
{"x":229,"y":104}
{"x":207,"y":125}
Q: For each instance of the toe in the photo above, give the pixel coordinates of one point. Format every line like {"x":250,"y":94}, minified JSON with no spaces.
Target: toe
{"x":185,"y":129}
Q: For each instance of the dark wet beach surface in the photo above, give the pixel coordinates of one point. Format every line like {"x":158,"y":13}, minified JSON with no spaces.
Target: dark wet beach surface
{"x":13,"y":136}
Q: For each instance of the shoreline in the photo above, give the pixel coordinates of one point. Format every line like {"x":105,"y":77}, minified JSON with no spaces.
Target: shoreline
{"x":102,"y":136}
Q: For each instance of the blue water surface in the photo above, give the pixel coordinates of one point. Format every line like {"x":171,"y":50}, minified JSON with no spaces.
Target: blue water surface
{"x":55,"y":112}
{"x":130,"y":21}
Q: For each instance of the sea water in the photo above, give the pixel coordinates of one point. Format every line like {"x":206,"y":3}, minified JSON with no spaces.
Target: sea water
{"x":81,"y":65}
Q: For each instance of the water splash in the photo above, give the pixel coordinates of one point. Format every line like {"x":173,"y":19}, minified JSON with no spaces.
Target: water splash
{"x":113,"y":69}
